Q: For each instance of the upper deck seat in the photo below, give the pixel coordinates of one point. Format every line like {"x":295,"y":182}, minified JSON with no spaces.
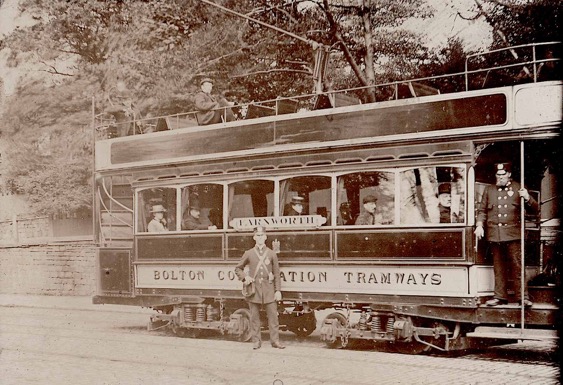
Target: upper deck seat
{"x":415,"y":89}
{"x":287,"y":106}
{"x":331,"y":100}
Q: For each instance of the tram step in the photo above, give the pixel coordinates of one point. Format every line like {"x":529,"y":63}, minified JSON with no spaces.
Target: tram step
{"x":512,"y":333}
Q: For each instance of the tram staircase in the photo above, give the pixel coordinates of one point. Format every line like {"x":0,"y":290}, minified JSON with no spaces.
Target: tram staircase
{"x":116,"y":212}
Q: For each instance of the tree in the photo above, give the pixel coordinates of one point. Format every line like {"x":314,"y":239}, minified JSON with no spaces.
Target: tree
{"x":157,"y":51}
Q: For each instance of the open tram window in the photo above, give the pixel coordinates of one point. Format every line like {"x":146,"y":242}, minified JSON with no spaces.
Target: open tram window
{"x":157,"y":205}
{"x":306,"y":195}
{"x":433,"y":195}
{"x":251,"y":198}
{"x":202,"y":207}
{"x":355,"y":188}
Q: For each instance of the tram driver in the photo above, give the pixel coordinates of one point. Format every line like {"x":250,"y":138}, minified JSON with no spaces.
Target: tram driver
{"x":500,"y":213}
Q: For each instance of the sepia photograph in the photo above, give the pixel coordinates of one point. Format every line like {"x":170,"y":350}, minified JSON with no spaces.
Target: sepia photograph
{"x":280,"y":192}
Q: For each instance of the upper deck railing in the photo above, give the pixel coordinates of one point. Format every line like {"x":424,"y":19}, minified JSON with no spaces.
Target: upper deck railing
{"x":502,"y":67}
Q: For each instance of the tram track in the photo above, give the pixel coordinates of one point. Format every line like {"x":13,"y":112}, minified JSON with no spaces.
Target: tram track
{"x":127,"y":333}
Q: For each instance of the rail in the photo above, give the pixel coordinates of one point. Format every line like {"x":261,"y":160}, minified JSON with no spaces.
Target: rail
{"x":509,"y":66}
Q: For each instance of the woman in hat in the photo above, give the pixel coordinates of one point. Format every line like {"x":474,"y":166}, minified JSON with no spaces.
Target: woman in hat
{"x":158,"y":223}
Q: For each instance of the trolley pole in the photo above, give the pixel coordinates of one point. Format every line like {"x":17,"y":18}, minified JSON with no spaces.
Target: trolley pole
{"x":522,"y":239}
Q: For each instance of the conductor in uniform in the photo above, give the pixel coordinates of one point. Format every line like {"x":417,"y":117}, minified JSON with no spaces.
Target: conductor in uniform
{"x":499,"y":213}
{"x":264,"y":271}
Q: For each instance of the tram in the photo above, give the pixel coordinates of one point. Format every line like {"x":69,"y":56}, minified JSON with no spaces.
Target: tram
{"x":410,"y":279}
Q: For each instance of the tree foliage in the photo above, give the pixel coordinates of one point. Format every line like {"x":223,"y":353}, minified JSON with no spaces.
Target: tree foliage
{"x":159,"y":50}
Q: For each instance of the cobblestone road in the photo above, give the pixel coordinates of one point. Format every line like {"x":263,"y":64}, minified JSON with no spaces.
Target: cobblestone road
{"x":69,"y":346}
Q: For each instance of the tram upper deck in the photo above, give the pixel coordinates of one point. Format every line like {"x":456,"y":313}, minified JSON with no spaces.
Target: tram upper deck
{"x":404,"y":111}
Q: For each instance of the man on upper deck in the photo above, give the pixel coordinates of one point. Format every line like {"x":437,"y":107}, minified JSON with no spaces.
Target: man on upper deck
{"x":209,"y":107}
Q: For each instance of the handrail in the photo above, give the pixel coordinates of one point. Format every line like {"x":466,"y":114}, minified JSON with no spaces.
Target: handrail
{"x":308,"y":99}
{"x":112,"y":198}
{"x":109,"y":211}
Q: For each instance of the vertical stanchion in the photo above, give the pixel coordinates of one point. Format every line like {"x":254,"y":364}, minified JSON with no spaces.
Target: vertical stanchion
{"x":522,"y":239}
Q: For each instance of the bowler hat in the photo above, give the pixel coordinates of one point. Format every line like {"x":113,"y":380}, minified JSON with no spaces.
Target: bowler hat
{"x":297,"y":200}
{"x":369,"y":199}
{"x":194,"y":206}
{"x":503,"y":168}
{"x":206,"y":80}
{"x":158,"y":209}
{"x":444,"y":188}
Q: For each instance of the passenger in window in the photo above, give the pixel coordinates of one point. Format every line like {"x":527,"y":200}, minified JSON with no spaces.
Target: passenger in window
{"x":345,"y":217}
{"x":445,"y":204}
{"x":158,"y":223}
{"x":295,"y":206}
{"x":194,"y":220}
{"x":367,"y":216}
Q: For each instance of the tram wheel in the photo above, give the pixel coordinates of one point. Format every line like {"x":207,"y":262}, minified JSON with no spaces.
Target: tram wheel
{"x":336,"y":344}
{"x":245,"y":336}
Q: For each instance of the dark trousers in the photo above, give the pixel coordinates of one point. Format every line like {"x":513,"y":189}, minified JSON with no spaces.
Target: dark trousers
{"x":507,"y":267}
{"x":273,"y":323}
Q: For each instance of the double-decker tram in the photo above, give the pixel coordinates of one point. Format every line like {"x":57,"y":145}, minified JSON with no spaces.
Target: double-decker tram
{"x":176,"y":207}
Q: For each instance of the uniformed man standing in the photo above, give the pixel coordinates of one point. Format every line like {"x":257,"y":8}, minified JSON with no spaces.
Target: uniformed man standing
{"x":264,"y":271}
{"x":500,"y":212}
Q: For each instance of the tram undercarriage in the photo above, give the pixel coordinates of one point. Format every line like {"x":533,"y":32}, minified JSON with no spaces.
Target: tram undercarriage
{"x":407,"y":328}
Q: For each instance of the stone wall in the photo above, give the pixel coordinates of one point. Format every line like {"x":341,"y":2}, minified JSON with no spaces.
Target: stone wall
{"x":67,"y":268}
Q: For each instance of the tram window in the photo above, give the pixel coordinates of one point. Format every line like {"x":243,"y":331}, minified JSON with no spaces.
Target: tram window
{"x":202,"y":207}
{"x":153,"y":201}
{"x":251,"y":198}
{"x":353,"y":188}
{"x":433,"y":195}
{"x":313,"y":192}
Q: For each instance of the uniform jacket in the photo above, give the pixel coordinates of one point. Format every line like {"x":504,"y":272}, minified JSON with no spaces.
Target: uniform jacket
{"x":500,"y":212}
{"x":265,"y":288}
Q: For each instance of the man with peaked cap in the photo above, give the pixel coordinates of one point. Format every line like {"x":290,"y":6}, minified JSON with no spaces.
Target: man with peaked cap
{"x":296,"y":206}
{"x":158,"y":223}
{"x":208,"y":106}
{"x":367,"y":216}
{"x":264,"y":271}
{"x":499,"y":213}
